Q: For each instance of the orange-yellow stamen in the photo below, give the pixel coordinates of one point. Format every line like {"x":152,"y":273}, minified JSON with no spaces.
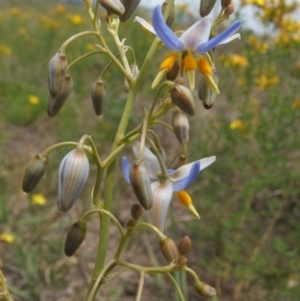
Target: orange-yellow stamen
{"x":204,"y":66}
{"x":189,"y":62}
{"x":184,"y":197}
{"x":168,"y":62}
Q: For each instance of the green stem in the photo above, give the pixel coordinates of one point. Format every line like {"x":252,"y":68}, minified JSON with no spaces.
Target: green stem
{"x":177,"y":287}
{"x":62,"y":144}
{"x":141,"y":285}
{"x":76,"y":36}
{"x":83,"y":57}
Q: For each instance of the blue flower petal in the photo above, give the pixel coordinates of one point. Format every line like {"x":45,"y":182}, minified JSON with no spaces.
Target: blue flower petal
{"x":212,"y":43}
{"x":163,"y":31}
{"x":126,"y":168}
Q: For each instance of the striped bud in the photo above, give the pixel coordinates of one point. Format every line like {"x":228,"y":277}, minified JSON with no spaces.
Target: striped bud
{"x":98,"y":96}
{"x":74,"y":238}
{"x":204,"y":289}
{"x":173,"y":72}
{"x":130,"y":6}
{"x":206,"y":7}
{"x":205,"y":94}
{"x":57,"y":70}
{"x":180,"y":125}
{"x":183,"y":98}
{"x":136,"y":211}
{"x":56,"y":103}
{"x":113,"y":6}
{"x":140,"y":182}
{"x":169,"y":249}
{"x":171,"y":17}
{"x":34,"y":171}
{"x":72,"y":175}
{"x":178,"y":161}
{"x":184,"y":245}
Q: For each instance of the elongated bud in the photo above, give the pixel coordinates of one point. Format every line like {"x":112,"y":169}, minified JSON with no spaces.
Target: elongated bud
{"x":74,"y":238}
{"x":140,"y":182}
{"x":229,"y":9}
{"x":34,"y":171}
{"x":225,"y":3}
{"x":171,"y":17}
{"x":136,"y":211}
{"x":98,"y":96}
{"x":173,"y":72}
{"x":113,"y":6}
{"x":57,"y":70}
{"x":206,"y":7}
{"x":169,"y":249}
{"x":72,"y":175}
{"x":56,"y":103}
{"x":184,"y":245}
{"x":130,"y":6}
{"x":178,"y":161}
{"x":204,"y":289}
{"x":180,"y":125}
{"x":205,"y":94}
{"x":183,"y":98}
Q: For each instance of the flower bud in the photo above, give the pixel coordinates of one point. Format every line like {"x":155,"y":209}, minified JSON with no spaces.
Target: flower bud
{"x":205,"y":94}
{"x":173,"y":72}
{"x":57,"y":70}
{"x":206,"y":7}
{"x":72,"y":175}
{"x":134,"y":72}
{"x":98,"y":95}
{"x":171,"y":17}
{"x":34,"y":171}
{"x":74,"y":238}
{"x":169,"y":249}
{"x":56,"y":103}
{"x":184,"y":245}
{"x":136,"y":211}
{"x":130,"y":6}
{"x":130,"y":223}
{"x":229,"y":9}
{"x":140,"y":182}
{"x":225,"y":3}
{"x":180,"y":125}
{"x":204,"y":289}
{"x":178,"y":161}
{"x":113,"y":6}
{"x":183,"y":98}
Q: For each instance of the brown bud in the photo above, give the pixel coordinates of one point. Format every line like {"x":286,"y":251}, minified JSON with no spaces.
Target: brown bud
{"x":172,"y":74}
{"x":178,"y":161}
{"x":130,"y":6}
{"x":169,"y":249}
{"x":229,"y":10}
{"x":205,"y":94}
{"x":180,"y":125}
{"x":98,"y":96}
{"x":179,"y":81}
{"x":74,"y":238}
{"x":204,"y":289}
{"x":225,"y":3}
{"x":136,"y":211}
{"x":184,"y":245}
{"x":183,"y":98}
{"x":34,"y":171}
{"x":130,"y":223}
{"x":206,"y":7}
{"x":113,"y":6}
{"x":171,"y":17}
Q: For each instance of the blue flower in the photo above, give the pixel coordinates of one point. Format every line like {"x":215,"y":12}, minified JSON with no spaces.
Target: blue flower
{"x":162,"y":189}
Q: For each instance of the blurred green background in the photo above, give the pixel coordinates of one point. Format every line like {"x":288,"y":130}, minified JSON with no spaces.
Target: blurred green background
{"x":247,"y":243}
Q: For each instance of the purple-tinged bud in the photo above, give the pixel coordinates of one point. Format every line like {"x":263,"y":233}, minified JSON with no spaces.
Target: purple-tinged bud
{"x":57,"y":70}
{"x":130,"y":6}
{"x":178,"y":161}
{"x":98,"y":96}
{"x":206,"y":7}
{"x":72,"y":175}
{"x":74,"y":238}
{"x":180,"y":125}
{"x":171,"y":17}
{"x":169,"y":249}
{"x":205,"y":94}
{"x":184,"y":245}
{"x":183,"y":98}
{"x":56,"y":103}
{"x":113,"y":6}
{"x":173,"y":72}
{"x":229,"y":9}
{"x":204,"y":289}
{"x":136,"y":211}
{"x":225,"y":3}
{"x":34,"y":171}
{"x":140,"y":182}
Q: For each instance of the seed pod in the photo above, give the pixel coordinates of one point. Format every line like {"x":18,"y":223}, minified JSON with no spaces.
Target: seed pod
{"x":141,"y":185}
{"x":178,"y":161}
{"x":204,"y":289}
{"x":169,"y":249}
{"x":171,"y":17}
{"x":206,"y":7}
{"x":184,"y":245}
{"x":136,"y":211}
{"x":57,"y":70}
{"x":72,"y":175}
{"x":56,"y":103}
{"x":130,"y":6}
{"x":113,"y":6}
{"x":74,"y":238}
{"x":183,"y":98}
{"x":205,"y":94}
{"x":172,"y":74}
{"x":180,"y":125}
{"x":34,"y":171}
{"x":98,"y":96}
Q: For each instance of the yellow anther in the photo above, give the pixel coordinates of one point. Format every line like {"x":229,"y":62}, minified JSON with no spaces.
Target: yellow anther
{"x":189,"y":62}
{"x":184,"y":197}
{"x":204,"y":66}
{"x":168,"y":62}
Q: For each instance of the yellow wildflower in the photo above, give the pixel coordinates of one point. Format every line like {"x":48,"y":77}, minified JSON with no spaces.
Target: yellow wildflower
{"x":296,"y":104}
{"x":49,"y":22}
{"x":34,"y":100}
{"x":14,"y":11}
{"x":76,"y":19}
{"x":235,"y":60}
{"x":264,"y":81}
{"x":22,"y":31}
{"x":90,"y":47}
{"x":7,"y":237}
{"x":237,"y":125}
{"x":38,"y":199}
{"x":60,"y":9}
{"x":5,"y":50}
